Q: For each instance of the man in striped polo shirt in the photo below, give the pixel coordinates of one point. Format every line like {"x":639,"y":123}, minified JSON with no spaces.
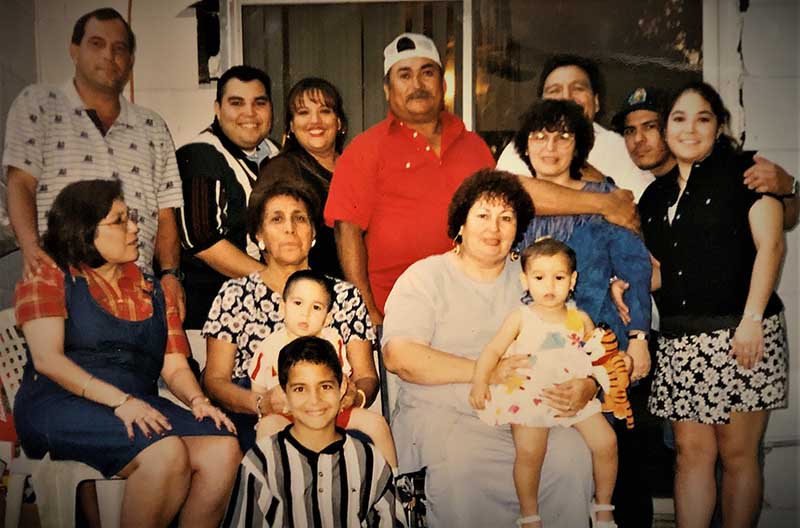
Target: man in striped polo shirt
{"x":85,"y":129}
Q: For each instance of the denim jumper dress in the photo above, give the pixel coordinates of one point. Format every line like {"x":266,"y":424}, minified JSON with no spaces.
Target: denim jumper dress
{"x":126,"y":354}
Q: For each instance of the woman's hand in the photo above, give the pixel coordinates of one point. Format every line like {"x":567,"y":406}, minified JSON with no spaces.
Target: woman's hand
{"x":350,"y":394}
{"x":571,"y":396}
{"x":202,"y":408}
{"x":149,"y":420}
{"x":479,"y":394}
{"x":748,"y":343}
{"x":638,"y":352}
{"x":507,"y":367}
{"x":274,"y":402}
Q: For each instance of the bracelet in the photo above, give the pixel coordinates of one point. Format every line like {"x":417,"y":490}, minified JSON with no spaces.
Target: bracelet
{"x":753,"y":316}
{"x":122,"y":401}
{"x":363,"y":397}
{"x":205,"y":399}
{"x":259,"y":397}
{"x":175,"y":272}
{"x":85,"y":385}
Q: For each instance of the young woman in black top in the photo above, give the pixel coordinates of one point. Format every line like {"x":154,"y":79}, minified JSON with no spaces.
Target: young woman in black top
{"x":722,"y":358}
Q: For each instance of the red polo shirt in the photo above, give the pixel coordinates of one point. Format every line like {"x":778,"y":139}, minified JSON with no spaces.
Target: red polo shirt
{"x":390,"y":182}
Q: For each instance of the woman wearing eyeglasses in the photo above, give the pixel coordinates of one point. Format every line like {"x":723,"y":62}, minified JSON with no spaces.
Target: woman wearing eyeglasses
{"x":554,"y":141}
{"x":100,"y":333}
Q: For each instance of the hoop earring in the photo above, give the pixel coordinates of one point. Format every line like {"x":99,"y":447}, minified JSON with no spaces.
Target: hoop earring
{"x":514,"y":255}
{"x":457,"y":240}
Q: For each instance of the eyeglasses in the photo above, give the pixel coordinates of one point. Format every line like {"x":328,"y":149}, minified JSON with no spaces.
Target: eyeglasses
{"x":129,"y":216}
{"x":560,"y":139}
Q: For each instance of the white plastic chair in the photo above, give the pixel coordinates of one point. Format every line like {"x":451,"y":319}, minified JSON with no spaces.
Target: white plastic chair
{"x":55,"y":482}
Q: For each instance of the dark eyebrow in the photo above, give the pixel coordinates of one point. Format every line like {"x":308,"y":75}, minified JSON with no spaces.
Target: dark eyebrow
{"x":234,"y":97}
{"x":261,"y":98}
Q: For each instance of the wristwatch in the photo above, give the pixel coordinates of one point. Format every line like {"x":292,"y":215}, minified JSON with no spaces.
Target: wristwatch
{"x":176,"y":272}
{"x":641,"y":336}
{"x":795,"y":189}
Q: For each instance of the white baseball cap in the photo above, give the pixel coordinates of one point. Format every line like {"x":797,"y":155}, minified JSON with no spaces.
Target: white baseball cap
{"x":409,"y":45}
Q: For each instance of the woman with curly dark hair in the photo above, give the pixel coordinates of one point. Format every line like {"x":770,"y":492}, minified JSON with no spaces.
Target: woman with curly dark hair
{"x":440,"y":314}
{"x":555,"y":138}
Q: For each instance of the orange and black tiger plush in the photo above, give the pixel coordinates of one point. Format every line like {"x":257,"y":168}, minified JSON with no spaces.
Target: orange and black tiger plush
{"x":604,"y":351}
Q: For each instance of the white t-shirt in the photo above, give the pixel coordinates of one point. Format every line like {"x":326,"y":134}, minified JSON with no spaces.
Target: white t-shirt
{"x":608,"y":155}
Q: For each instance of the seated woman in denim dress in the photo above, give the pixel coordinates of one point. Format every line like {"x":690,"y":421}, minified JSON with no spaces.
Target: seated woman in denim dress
{"x":100,"y":334}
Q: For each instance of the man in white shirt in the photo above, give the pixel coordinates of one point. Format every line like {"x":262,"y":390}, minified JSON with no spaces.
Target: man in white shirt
{"x":577,"y":78}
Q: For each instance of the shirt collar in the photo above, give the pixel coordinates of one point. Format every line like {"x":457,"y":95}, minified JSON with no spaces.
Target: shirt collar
{"x":124,"y":118}
{"x":131,"y":275}
{"x":330,"y":449}
{"x":262,"y":151}
{"x":452,"y":127}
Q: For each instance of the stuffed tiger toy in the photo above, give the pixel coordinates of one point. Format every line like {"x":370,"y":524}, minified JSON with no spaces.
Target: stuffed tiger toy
{"x":603,"y":349}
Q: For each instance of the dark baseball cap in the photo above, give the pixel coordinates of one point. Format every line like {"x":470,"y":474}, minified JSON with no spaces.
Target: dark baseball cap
{"x":642,"y":98}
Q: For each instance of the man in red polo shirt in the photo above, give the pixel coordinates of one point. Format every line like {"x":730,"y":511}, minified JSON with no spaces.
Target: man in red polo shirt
{"x":392,"y":185}
{"x":391,"y":188}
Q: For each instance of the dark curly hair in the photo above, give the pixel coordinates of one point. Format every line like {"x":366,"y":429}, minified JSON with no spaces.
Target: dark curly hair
{"x":264,"y":191}
{"x":309,"y":349}
{"x":72,"y":222}
{"x":490,"y":184}
{"x":555,"y":115}
{"x":322,"y":92}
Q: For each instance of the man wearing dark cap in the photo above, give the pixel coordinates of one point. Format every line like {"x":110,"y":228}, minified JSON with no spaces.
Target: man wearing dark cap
{"x":641,"y":123}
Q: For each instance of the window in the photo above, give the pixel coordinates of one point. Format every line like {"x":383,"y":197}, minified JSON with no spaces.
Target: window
{"x":634,"y":42}
{"x":343,"y":43}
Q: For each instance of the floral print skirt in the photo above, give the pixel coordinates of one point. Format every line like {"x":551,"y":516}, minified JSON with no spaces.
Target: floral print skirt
{"x":696,"y":378}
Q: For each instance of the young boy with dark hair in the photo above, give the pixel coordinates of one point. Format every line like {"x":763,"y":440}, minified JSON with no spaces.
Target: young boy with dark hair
{"x":307,"y":302}
{"x":312,"y":474}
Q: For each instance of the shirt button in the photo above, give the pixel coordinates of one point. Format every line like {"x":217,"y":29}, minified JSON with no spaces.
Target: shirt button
{"x":683,"y":303}
{"x":708,"y":201}
{"x":674,"y":244}
{"x":408,"y":164}
{"x":677,"y":216}
{"x":320,"y":474}
{"x":321,"y":490}
{"x":680,"y":273}
{"x":427,"y":148}
{"x":415,"y":134}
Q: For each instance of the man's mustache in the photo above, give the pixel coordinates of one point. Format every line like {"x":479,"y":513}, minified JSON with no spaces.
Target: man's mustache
{"x":420,"y":94}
